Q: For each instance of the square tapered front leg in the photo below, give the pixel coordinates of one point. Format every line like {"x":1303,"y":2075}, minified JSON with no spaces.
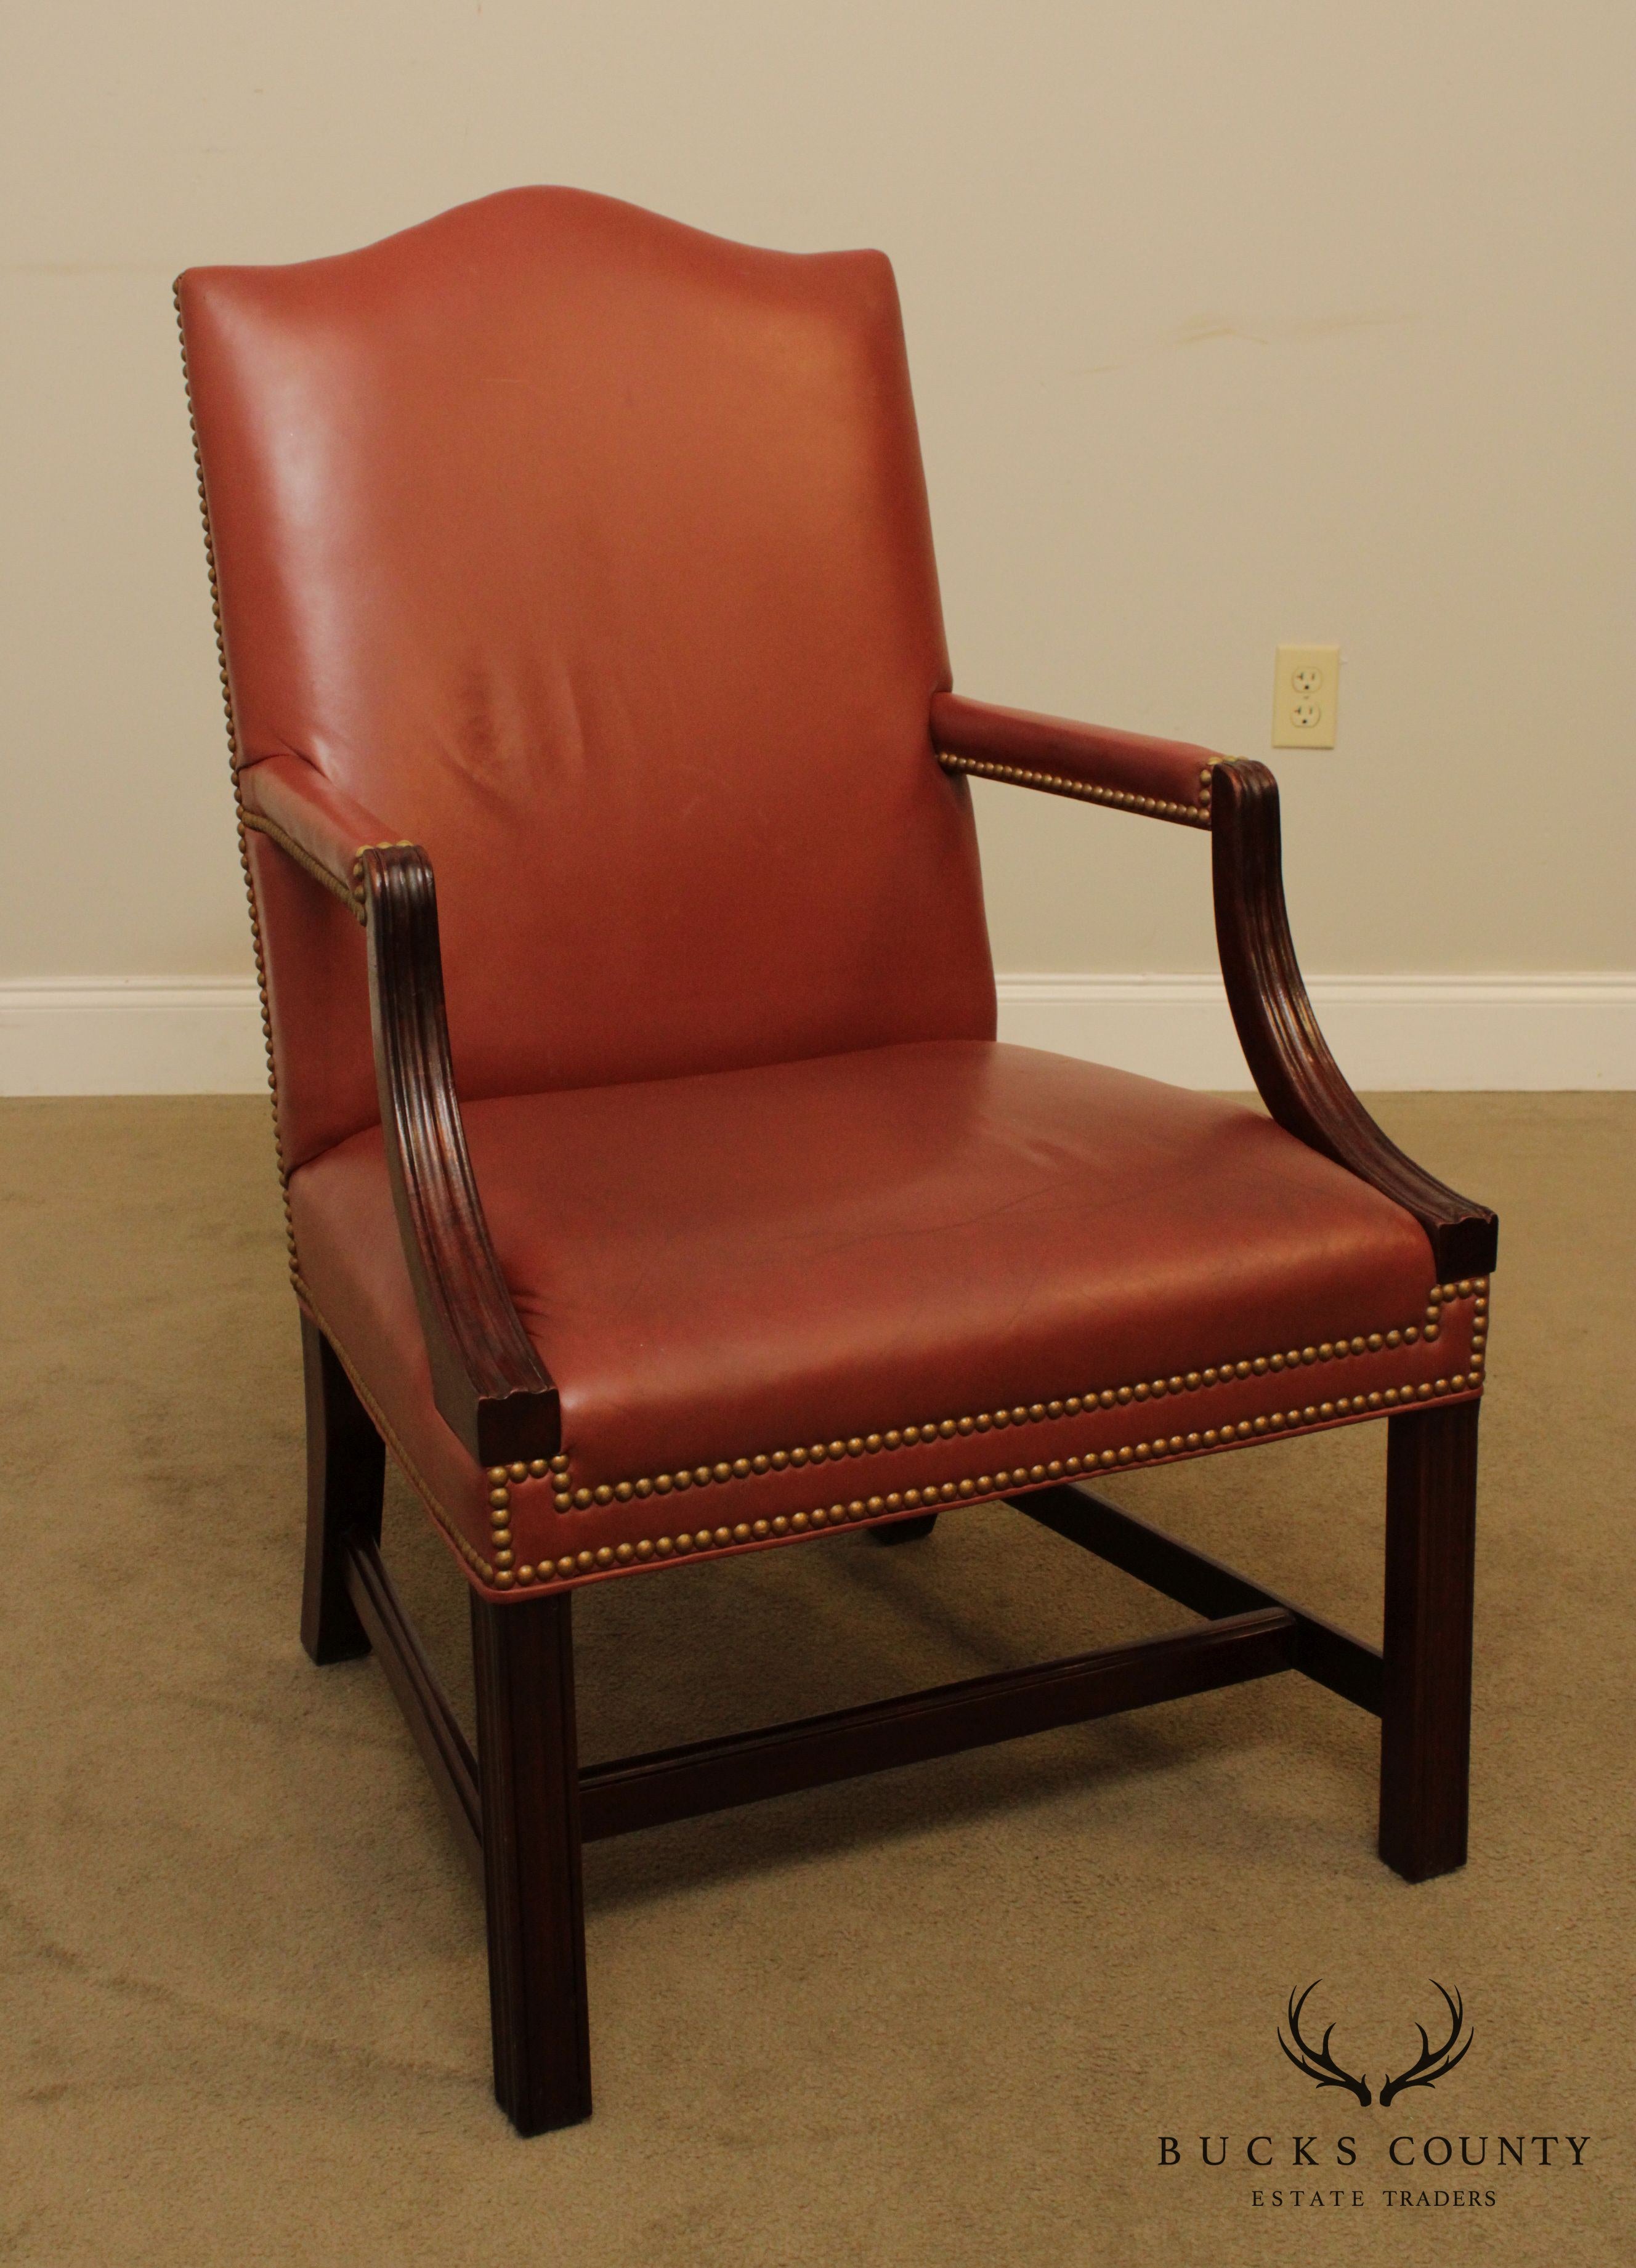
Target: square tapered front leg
{"x":1425,"y":1720}
{"x":528,"y":1761}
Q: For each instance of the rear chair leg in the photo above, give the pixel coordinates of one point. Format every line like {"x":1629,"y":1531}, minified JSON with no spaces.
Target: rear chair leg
{"x":528,"y":1763}
{"x":1426,"y":1718}
{"x":345,"y":1474}
{"x":904,"y":1531}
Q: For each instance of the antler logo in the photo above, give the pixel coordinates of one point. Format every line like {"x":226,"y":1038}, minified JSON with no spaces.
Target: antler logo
{"x":1433,"y":2064}
{"x":1430,"y":2065}
{"x":1318,"y":2063}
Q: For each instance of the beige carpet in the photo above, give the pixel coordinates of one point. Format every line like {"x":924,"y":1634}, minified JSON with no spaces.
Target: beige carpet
{"x":942,"y":2016}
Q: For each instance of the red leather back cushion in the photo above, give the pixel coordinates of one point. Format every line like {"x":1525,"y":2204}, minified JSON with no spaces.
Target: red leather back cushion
{"x":592,"y":552}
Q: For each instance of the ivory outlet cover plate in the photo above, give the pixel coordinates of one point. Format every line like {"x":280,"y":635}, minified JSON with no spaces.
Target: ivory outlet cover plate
{"x":1306,"y":696}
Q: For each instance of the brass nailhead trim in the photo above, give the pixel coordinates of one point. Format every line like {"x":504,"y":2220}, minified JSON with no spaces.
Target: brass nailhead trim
{"x":247,"y":821}
{"x":292,"y":849}
{"x":1073,"y":1405}
{"x":353,"y":899}
{"x":1153,"y":806}
{"x":1160,"y":1447}
{"x":359,"y":891}
{"x":836,"y":1516}
{"x":240,"y":815}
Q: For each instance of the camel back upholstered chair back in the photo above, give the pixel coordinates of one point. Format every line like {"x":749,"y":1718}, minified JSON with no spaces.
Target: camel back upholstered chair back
{"x":596,"y":550}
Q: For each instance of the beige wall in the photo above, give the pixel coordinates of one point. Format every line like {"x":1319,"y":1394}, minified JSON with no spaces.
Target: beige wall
{"x":1229,"y":323}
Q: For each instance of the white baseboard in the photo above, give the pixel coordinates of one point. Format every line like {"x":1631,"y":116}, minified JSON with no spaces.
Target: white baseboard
{"x":201,"y":1035}
{"x":1403,"y":1033}
{"x":137,"y":1035}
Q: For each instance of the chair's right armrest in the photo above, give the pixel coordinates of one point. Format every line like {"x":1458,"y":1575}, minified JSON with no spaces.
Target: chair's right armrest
{"x":1127,"y":771}
{"x":490,"y":1388}
{"x":315,"y":822}
{"x":1298,"y":1078}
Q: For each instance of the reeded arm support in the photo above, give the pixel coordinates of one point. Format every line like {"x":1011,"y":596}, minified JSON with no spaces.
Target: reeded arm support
{"x":1298,"y":1078}
{"x":491,"y":1386}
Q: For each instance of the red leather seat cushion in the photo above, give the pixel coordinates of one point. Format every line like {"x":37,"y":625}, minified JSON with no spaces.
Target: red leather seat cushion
{"x":727,"y":1274}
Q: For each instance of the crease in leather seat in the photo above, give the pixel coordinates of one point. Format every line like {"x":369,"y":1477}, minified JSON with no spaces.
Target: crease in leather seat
{"x":750,"y":1286}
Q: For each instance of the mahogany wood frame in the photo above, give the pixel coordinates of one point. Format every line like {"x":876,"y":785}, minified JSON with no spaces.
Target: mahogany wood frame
{"x":522,"y":1806}
{"x":489,"y":1385}
{"x":1295,"y":1075}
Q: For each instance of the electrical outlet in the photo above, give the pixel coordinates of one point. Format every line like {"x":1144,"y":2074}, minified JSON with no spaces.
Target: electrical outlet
{"x":1306,"y":694}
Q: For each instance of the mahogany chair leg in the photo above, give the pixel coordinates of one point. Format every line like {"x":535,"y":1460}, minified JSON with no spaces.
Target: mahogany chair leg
{"x":345,"y":1474}
{"x":904,"y":1531}
{"x":1426,"y":1718}
{"x":529,"y":1764}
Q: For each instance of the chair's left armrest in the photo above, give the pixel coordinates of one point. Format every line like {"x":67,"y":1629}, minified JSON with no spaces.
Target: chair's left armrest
{"x":1296,"y":1076}
{"x":312,"y":821}
{"x":490,"y":1386}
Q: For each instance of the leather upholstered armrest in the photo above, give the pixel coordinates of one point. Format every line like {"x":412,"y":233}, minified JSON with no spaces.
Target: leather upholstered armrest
{"x":491,"y":1386}
{"x":316,"y":823}
{"x":1163,"y":779}
{"x":1298,"y":1078}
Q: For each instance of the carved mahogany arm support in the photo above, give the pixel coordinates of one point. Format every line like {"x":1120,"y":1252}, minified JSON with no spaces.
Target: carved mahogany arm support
{"x":491,"y":1386}
{"x":1298,"y":1078}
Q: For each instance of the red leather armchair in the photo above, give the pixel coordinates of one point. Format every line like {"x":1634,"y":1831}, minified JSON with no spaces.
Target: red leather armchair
{"x":657,"y":1189}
